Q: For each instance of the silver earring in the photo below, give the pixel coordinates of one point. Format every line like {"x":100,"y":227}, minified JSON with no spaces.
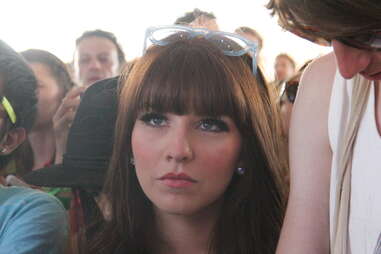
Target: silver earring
{"x":240,"y":171}
{"x":3,"y":150}
{"x":132,"y":161}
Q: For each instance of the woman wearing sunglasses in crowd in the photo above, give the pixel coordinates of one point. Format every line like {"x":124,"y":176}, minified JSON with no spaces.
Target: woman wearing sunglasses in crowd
{"x":195,"y":165}
{"x":287,"y":98}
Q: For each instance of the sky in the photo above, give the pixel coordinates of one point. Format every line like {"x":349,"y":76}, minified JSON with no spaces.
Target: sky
{"x":54,"y":25}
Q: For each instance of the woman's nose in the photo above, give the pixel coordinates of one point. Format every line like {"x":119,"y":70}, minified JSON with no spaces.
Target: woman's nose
{"x":179,"y":147}
{"x":350,"y":61}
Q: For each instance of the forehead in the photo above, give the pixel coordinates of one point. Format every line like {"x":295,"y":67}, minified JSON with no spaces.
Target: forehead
{"x":96,"y":45}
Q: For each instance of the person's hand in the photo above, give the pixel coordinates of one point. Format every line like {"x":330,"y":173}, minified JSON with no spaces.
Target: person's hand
{"x":63,"y":118}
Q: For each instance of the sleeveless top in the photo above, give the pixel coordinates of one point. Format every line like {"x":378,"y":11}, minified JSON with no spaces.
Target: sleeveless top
{"x":365,"y":205}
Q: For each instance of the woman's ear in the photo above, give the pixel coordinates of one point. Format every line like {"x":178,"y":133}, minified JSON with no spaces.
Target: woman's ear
{"x":12,"y":139}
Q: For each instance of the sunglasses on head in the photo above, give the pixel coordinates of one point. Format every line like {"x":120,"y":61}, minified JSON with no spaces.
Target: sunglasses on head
{"x":230,"y":44}
{"x":370,"y":40}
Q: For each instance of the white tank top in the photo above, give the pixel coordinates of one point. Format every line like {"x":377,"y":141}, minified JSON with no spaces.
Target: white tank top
{"x":365,"y":211}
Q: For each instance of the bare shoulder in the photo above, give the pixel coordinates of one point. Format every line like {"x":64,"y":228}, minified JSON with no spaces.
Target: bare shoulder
{"x":312,"y":103}
{"x":318,"y":76}
{"x":306,"y":223}
{"x":309,"y":123}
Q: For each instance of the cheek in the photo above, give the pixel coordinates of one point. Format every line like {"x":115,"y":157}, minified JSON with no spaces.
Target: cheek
{"x":218,"y":162}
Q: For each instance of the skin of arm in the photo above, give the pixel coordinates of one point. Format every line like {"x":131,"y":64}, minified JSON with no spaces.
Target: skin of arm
{"x":306,"y":225}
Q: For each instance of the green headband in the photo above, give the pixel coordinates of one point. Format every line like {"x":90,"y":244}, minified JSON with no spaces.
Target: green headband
{"x":8,"y":107}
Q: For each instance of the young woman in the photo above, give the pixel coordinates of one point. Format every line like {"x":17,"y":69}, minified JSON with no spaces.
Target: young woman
{"x":195,"y":165}
{"x":48,"y":135}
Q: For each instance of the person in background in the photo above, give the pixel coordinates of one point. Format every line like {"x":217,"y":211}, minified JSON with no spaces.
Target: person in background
{"x":97,"y":56}
{"x":252,"y":35}
{"x":335,"y":145}
{"x":86,"y":159}
{"x":195,"y":166}
{"x":198,"y":19}
{"x":288,"y":96}
{"x":284,"y":67}
{"x":30,"y":221}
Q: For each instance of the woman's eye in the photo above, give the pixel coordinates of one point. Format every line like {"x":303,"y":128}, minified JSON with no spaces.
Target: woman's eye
{"x":213,"y":125}
{"x":154,"y":119}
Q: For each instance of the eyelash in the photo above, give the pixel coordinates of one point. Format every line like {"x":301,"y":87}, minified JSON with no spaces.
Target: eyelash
{"x":215,"y":124}
{"x":148,"y":117}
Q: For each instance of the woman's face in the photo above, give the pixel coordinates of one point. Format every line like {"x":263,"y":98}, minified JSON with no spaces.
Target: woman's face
{"x":184,"y":163}
{"x":49,"y":94}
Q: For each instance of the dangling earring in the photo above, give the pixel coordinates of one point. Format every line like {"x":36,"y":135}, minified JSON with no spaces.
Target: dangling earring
{"x":132,"y":161}
{"x":240,"y":171}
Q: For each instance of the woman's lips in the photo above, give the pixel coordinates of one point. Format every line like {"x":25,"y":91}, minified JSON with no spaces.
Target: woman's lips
{"x":174,"y":180}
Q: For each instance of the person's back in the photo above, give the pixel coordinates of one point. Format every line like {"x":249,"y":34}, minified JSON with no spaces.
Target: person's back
{"x":31,"y":222}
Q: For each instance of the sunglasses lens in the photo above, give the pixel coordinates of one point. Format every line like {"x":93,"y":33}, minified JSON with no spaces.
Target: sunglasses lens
{"x":230,"y":45}
{"x":291,"y":91}
{"x":168,"y":35}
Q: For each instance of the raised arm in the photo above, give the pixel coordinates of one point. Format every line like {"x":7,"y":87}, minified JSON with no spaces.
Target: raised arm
{"x":306,"y":225}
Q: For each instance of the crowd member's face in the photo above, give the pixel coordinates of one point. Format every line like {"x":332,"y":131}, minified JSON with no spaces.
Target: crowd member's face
{"x":352,"y":61}
{"x":95,"y":58}
{"x":49,"y":94}
{"x":184,"y":163}
{"x":248,"y":36}
{"x":283,"y":68}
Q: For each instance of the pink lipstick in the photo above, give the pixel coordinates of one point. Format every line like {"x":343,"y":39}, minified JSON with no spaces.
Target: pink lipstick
{"x":181,"y":180}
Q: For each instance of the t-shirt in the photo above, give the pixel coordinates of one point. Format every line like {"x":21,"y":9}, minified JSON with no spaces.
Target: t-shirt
{"x":31,"y":222}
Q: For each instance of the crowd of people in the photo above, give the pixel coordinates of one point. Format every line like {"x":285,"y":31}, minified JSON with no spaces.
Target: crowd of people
{"x":190,"y":148}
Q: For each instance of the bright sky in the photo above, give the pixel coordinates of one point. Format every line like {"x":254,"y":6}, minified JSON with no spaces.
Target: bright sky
{"x":54,"y":25}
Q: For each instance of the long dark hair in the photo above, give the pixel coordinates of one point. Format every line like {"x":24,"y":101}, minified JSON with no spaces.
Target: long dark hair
{"x":194,"y":76}
{"x":19,"y":87}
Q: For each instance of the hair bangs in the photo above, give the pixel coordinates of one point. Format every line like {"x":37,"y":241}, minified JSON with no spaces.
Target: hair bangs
{"x":188,"y":79}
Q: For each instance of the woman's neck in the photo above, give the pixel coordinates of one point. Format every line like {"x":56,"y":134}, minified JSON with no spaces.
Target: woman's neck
{"x":42,"y":142}
{"x":186,"y":234}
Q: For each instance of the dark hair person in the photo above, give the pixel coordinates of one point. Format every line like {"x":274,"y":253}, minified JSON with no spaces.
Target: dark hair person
{"x":335,"y":200}
{"x":30,"y":221}
{"x":195,"y":165}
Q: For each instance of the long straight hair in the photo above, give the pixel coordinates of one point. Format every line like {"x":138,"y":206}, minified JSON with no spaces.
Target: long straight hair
{"x":193,"y":76}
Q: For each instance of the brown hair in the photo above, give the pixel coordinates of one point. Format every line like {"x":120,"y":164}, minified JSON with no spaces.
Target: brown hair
{"x":327,"y":18}
{"x":194,"y":76}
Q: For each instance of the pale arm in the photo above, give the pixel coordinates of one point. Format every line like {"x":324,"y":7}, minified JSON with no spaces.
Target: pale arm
{"x":306,"y":225}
